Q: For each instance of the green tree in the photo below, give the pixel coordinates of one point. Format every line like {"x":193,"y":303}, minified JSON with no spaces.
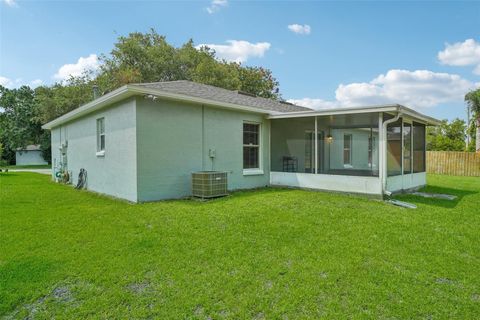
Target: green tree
{"x":45,"y":145}
{"x":473,"y":100}
{"x":19,"y":120}
{"x":148,"y":57}
{"x":61,"y":98}
{"x":1,"y":154}
{"x":449,"y":136}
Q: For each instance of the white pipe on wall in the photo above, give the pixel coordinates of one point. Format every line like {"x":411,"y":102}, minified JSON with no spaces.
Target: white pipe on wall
{"x":316,"y":145}
{"x":383,"y":165}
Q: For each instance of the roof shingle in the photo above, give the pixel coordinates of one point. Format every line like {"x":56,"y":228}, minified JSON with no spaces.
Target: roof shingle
{"x":198,"y":90}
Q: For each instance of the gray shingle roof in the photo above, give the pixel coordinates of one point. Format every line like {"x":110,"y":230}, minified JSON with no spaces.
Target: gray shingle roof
{"x":198,"y":90}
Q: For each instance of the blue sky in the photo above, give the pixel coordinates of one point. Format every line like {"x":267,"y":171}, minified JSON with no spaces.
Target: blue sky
{"x":325,"y":54}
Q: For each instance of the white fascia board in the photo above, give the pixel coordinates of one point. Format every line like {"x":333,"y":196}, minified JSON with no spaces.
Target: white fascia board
{"x":185,"y":98}
{"x":356,"y":110}
{"x":417,"y":116}
{"x":111,"y":97}
{"x":336,"y":111}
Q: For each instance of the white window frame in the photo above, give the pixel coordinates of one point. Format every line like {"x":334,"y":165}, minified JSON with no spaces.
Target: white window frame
{"x":259,"y":170}
{"x":349,"y":164}
{"x":100,"y":134}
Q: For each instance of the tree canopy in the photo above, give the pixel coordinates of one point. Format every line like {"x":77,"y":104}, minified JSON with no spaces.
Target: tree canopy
{"x":449,"y":136}
{"x":148,"y":57}
{"x":19,"y":120}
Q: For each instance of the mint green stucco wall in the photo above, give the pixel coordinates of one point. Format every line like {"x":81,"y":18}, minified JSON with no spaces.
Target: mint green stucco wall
{"x":359,"y":152}
{"x":152,"y":147}
{"x":115,"y":173}
{"x":174,"y":139}
{"x":29,"y":157}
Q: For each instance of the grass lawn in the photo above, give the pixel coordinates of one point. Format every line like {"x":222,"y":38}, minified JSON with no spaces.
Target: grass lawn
{"x":270,"y":253}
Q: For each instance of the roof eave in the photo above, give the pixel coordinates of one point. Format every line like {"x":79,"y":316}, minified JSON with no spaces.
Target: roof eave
{"x":419,"y":116}
{"x":111,"y":97}
{"x":185,"y":98}
{"x":131,"y":90}
{"x":336,"y":111}
{"x":355,"y":110}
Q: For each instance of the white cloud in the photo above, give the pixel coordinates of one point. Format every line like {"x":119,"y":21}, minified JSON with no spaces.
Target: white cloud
{"x":11,"y":3}
{"x":89,"y":63}
{"x":299,"y":29}
{"x":36,"y":83}
{"x":314,"y":103}
{"x":238,"y":50}
{"x":216,"y":5}
{"x":477,"y":70}
{"x":461,"y":54}
{"x":417,"y":89}
{"x":12,"y":84}
{"x":6,"y":82}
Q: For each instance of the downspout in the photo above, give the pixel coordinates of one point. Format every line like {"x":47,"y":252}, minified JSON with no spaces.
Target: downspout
{"x":203,"y":138}
{"x":383,"y":169}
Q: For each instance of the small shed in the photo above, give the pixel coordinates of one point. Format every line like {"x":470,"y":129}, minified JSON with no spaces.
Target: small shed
{"x":29,"y":155}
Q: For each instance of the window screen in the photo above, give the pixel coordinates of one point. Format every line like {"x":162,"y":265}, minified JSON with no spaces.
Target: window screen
{"x":251,"y":145}
{"x":101,"y":134}
{"x":418,"y":147}
{"x":394,"y":148}
{"x":407,"y":148}
{"x":347,"y":149}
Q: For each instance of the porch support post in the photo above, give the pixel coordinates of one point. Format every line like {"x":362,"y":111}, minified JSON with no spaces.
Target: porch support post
{"x":381,"y":150}
{"x":402,"y":130}
{"x":316,"y":145}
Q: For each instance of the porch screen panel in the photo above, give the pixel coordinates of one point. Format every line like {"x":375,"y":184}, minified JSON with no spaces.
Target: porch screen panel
{"x":350,"y":145}
{"x":293,"y":145}
{"x":407,"y":148}
{"x":418,"y":147}
{"x":394,"y":148}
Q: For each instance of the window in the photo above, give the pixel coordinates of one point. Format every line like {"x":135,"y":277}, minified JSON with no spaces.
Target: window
{"x":100,"y":134}
{"x":347,"y":150}
{"x":251,"y":146}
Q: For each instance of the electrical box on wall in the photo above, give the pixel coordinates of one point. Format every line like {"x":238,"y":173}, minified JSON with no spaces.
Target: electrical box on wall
{"x":212,"y":153}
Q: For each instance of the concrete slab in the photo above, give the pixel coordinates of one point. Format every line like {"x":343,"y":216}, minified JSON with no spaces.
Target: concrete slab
{"x":435,"y":195}
{"x":41,"y":171}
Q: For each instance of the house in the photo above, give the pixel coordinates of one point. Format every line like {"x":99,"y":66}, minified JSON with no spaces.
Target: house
{"x":29,"y":155}
{"x":141,"y":142}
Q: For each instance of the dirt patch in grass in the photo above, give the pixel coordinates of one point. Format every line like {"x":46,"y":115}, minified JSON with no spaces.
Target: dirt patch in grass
{"x":138,"y":287}
{"x":60,"y":294}
{"x":445,"y":281}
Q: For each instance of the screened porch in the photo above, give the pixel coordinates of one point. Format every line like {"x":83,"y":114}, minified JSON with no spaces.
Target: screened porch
{"x":343,"y":152}
{"x":345,"y":145}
